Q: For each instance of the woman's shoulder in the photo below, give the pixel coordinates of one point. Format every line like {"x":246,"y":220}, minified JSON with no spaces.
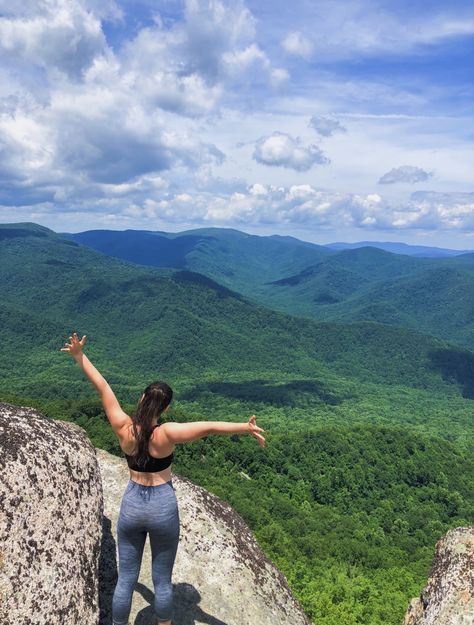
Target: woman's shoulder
{"x":160,"y":438}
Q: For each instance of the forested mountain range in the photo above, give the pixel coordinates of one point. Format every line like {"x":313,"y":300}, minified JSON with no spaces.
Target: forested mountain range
{"x":49,"y":280}
{"x":433,"y":294}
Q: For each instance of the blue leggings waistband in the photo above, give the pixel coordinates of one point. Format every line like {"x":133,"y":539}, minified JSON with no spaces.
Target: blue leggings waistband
{"x":170,"y":482}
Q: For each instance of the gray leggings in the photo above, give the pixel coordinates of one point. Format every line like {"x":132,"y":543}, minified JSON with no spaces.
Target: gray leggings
{"x":153,"y":510}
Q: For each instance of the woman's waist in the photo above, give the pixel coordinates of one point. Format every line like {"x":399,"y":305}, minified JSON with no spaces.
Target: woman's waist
{"x":151,"y":478}
{"x":135,"y":493}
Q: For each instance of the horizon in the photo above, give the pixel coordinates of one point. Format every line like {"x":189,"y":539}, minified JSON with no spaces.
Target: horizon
{"x":334,"y":121}
{"x":397,"y":242}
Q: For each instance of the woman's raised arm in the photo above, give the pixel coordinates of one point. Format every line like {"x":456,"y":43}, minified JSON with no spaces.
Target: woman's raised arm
{"x":116,"y":416}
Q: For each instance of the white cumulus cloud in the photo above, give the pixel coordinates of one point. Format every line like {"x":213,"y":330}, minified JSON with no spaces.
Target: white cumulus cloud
{"x":58,"y":35}
{"x":280,"y":149}
{"x":296,"y":43}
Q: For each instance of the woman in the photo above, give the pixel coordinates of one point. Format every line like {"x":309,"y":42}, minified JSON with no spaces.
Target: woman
{"x":149,"y":502}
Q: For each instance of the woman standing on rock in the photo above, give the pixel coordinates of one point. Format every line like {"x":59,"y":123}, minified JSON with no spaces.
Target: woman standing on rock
{"x":149,"y":502}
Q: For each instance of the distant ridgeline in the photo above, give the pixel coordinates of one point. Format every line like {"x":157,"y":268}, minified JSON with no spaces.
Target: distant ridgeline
{"x":369,"y":425}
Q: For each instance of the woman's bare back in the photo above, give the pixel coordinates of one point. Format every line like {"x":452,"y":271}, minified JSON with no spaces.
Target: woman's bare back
{"x":159,"y":446}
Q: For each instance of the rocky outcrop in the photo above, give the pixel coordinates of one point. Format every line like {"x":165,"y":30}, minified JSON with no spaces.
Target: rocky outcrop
{"x":221,"y":576}
{"x":448,"y":597}
{"x":51,"y":510}
{"x":59,"y":503}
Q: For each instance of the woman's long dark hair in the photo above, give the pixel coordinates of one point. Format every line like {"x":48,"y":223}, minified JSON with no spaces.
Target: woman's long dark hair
{"x":156,"y":397}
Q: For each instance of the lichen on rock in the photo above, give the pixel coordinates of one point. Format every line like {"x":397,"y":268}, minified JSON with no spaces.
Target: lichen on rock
{"x":59,"y":504}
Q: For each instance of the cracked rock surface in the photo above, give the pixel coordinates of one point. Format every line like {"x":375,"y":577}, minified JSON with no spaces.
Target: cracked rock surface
{"x":59,"y":503}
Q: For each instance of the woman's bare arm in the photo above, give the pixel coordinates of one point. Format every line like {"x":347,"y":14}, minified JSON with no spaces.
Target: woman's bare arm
{"x":187,"y":432}
{"x":117,"y":417}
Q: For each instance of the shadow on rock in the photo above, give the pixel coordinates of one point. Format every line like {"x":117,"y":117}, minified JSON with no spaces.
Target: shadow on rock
{"x":186,"y":599}
{"x":107,"y":572}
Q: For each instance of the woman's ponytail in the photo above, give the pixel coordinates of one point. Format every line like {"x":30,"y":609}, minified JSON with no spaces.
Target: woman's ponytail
{"x":156,"y":397}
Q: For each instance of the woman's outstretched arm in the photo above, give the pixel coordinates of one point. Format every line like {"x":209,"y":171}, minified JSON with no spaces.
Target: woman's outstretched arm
{"x":194,"y":430}
{"x":117,"y":417}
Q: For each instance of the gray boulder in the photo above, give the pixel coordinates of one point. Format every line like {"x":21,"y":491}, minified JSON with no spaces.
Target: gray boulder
{"x":50,"y":521}
{"x":448,"y":597}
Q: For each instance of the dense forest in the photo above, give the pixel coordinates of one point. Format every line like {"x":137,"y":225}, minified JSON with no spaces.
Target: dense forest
{"x":369,"y":426}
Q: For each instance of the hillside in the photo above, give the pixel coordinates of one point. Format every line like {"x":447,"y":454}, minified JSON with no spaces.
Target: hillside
{"x":145,"y":323}
{"x":236,"y":259}
{"x":179,"y":321}
{"x":400,"y":248}
{"x":437,"y":300}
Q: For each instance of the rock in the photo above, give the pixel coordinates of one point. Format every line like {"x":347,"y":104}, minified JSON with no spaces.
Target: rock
{"x":221,"y":576}
{"x":448,"y":597}
{"x":59,"y":503}
{"x":51,"y":512}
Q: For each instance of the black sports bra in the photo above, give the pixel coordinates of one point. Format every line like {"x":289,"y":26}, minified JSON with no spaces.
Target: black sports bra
{"x":152,"y":464}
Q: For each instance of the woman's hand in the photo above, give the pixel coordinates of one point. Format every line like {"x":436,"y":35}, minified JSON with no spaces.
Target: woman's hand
{"x":75,"y":346}
{"x":254,"y":430}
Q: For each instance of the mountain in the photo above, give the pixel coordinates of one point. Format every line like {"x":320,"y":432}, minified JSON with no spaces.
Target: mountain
{"x":433,"y":297}
{"x":304,"y":279}
{"x":369,"y":426}
{"x":400,"y":248}
{"x":177,"y":322}
{"x":236,"y":259}
{"x":437,"y":301}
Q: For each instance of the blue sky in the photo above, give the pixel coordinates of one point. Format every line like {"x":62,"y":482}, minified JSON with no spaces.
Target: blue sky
{"x":327,"y":120}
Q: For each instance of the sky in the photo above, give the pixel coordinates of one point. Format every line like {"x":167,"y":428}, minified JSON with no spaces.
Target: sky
{"x":328,"y":120}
